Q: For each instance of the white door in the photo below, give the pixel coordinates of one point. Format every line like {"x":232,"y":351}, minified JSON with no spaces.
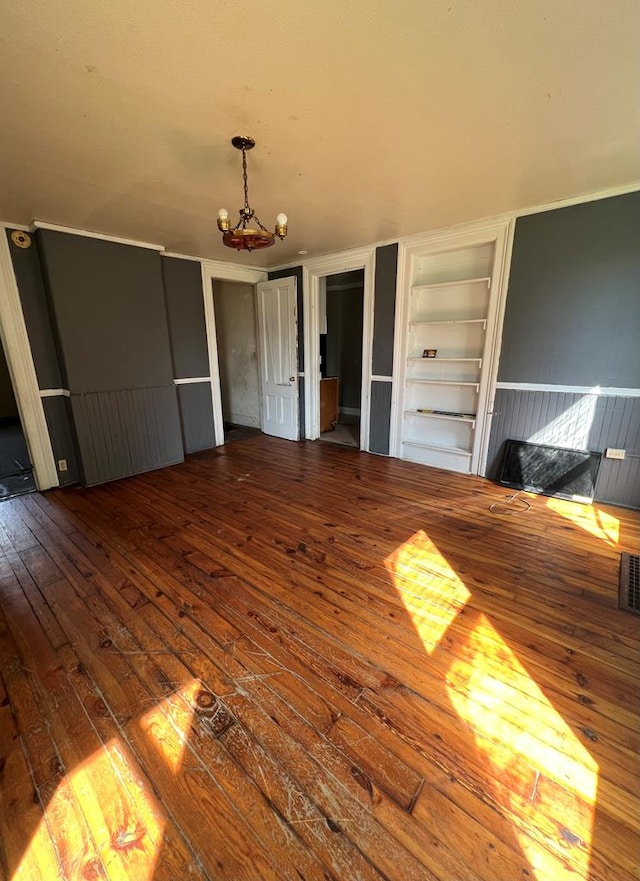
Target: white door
{"x":278,"y":331}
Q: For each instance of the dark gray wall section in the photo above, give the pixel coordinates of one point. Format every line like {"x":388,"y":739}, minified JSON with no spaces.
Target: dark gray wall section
{"x":296,"y":271}
{"x":196,"y":414}
{"x":573,"y":308}
{"x":384,"y":309}
{"x":37,"y":316}
{"x":344,"y":341}
{"x":8,"y":405}
{"x":615,"y":422}
{"x":126,"y":432}
{"x":380,"y":419}
{"x":185,"y":313}
{"x":57,"y":411}
{"x":108,"y":307}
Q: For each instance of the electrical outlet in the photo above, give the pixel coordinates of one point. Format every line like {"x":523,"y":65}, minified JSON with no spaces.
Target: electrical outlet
{"x":62,"y":464}
{"x":612,"y":453}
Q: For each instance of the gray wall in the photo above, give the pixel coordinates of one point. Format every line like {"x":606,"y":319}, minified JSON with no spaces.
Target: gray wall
{"x":182,"y":280}
{"x":296,"y":272}
{"x":573,"y":307}
{"x":573,"y":318}
{"x":380,"y":419}
{"x":109,"y":316}
{"x":344,"y":335}
{"x":49,"y":373}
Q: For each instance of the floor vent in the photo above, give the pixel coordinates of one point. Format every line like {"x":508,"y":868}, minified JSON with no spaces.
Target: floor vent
{"x":629,"y":591}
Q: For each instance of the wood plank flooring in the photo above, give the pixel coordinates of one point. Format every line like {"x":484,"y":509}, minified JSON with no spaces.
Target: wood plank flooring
{"x":301,"y":662}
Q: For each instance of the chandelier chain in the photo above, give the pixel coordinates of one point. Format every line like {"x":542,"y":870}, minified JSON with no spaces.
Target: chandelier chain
{"x":244,"y":178}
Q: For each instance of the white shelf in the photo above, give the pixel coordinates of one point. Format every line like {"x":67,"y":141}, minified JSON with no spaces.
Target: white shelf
{"x":450,"y":284}
{"x":442,"y":449}
{"x":436,"y":360}
{"x":474,"y":385}
{"x":450,"y":321}
{"x":471,"y":420}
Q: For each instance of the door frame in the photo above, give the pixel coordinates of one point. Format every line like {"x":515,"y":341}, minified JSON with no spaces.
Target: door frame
{"x":217,"y":270}
{"x":17,"y":350}
{"x":312,"y":273}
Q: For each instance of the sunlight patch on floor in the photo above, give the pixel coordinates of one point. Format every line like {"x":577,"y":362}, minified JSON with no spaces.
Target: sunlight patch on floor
{"x":168,"y":724}
{"x":545,"y":778}
{"x":429,"y":588}
{"x":590,"y":518}
{"x":101,"y":814}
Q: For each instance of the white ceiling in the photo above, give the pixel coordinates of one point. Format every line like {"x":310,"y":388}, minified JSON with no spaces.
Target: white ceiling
{"x":374,"y":119}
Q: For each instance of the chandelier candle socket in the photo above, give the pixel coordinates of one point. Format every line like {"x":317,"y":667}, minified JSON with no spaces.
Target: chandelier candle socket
{"x":244,"y":236}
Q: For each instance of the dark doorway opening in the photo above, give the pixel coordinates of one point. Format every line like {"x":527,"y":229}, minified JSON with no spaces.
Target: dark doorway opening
{"x":16,"y":470}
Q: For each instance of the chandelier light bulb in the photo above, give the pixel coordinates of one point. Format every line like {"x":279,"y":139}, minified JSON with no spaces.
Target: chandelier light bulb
{"x":223,"y":214}
{"x":281,"y":219}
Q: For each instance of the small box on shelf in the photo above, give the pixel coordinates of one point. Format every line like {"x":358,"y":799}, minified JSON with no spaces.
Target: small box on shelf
{"x":429,"y":353}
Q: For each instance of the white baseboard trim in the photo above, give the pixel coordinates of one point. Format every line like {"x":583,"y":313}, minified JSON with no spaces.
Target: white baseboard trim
{"x":350,"y":411}
{"x":599,"y":391}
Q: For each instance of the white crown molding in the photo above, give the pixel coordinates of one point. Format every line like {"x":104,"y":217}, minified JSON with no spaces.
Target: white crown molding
{"x":88,"y":234}
{"x":223,"y":271}
{"x":176,"y":256}
{"x":23,"y":227}
{"x":598,"y":391}
{"x":13,"y":332}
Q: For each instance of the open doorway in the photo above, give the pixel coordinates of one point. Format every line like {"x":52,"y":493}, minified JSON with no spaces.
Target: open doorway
{"x":341,"y":318}
{"x":237,"y":341}
{"x":16,"y":470}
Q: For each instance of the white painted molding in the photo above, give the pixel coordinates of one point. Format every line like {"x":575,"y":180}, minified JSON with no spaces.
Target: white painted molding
{"x":376,"y":378}
{"x":88,"y":234}
{"x":301,"y":374}
{"x":15,"y":340}
{"x":349,"y":411}
{"x":223,"y":271}
{"x":598,"y":391}
{"x":191,"y":257}
{"x":54,"y":392}
{"x":191,"y":379}
{"x":313,"y":271}
{"x":23,"y":227}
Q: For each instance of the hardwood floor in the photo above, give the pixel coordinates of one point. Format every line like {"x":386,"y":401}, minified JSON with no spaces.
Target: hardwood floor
{"x":298,"y":661}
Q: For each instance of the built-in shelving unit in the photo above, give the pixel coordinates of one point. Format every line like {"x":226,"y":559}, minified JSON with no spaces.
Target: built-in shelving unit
{"x":448,"y":310}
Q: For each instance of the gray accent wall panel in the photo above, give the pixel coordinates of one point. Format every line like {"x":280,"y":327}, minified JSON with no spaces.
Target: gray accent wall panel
{"x":574,"y":420}
{"x":37,"y":315}
{"x":196,"y":413}
{"x":573,"y":307}
{"x":108,"y":305}
{"x":126,"y":432}
{"x":185,"y":313}
{"x":380,"y":418}
{"x":57,"y":411}
{"x":384,"y":309}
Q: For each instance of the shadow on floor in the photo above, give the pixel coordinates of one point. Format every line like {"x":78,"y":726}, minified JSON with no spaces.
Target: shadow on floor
{"x":16,"y":471}
{"x":347,"y":435}
{"x":234,"y":432}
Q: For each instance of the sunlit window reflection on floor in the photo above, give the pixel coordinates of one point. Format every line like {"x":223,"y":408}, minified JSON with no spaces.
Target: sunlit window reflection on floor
{"x":541,"y":777}
{"x":545,"y":779}
{"x":589,"y":517}
{"x":101,"y":815}
{"x":429,"y":588}
{"x":168,"y":723}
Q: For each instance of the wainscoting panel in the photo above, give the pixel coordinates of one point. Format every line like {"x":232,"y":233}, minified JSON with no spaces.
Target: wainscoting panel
{"x":126,"y":432}
{"x":582,"y":421}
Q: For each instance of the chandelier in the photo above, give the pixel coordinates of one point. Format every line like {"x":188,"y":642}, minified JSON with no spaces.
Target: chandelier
{"x":245,"y":236}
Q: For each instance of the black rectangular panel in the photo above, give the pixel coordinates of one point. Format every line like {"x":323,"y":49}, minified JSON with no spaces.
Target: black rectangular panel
{"x":384,"y":309}
{"x":196,"y":416}
{"x":552,"y":471}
